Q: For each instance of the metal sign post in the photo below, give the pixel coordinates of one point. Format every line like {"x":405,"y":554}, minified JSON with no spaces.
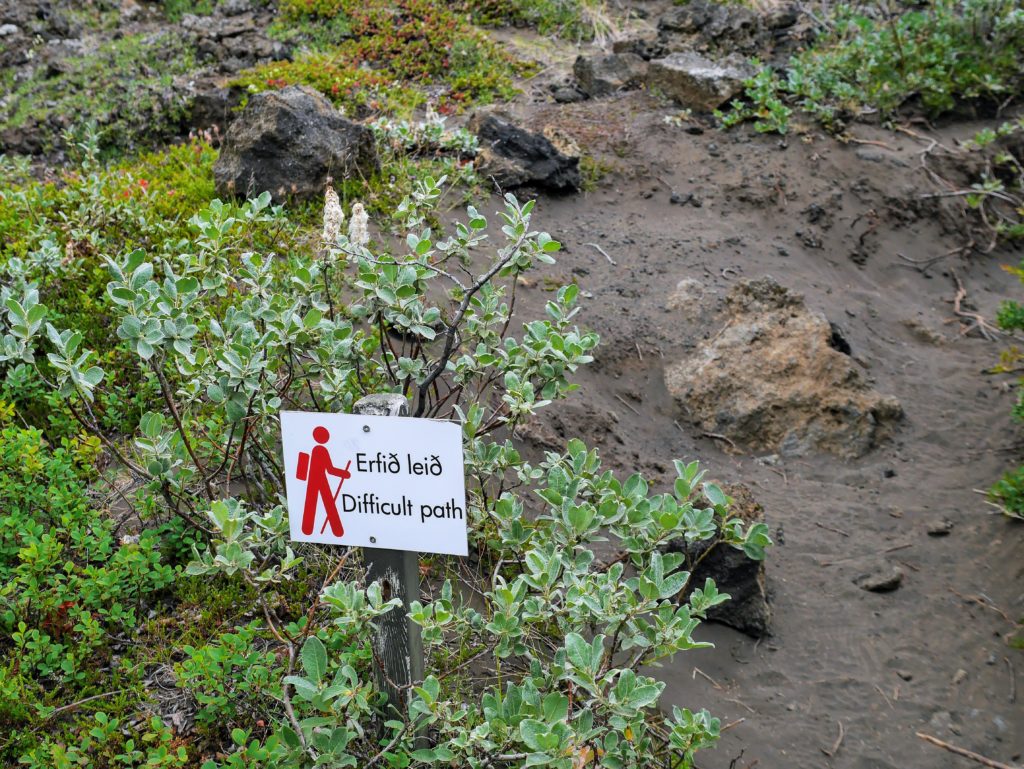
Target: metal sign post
{"x":398,"y":647}
{"x":392,"y":485}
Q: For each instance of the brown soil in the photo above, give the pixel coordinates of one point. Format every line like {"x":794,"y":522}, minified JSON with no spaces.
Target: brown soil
{"x":930,"y":656}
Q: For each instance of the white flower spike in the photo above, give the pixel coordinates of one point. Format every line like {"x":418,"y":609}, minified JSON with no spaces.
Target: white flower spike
{"x":334,"y":217}
{"x":358,"y":234}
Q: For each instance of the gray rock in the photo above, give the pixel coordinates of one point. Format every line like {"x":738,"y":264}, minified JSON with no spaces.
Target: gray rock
{"x":289,"y":142}
{"x":215,"y":107}
{"x":605,"y":74}
{"x":515,"y":157}
{"x":687,"y":298}
{"x":646,"y":47}
{"x":382,"y":405}
{"x":697,"y":82}
{"x":568,"y":95}
{"x":940,"y":528}
{"x":6,"y":30}
{"x":724,"y":25}
{"x":782,"y":17}
{"x":130,"y":11}
{"x":234,"y":7}
{"x":879,"y":577}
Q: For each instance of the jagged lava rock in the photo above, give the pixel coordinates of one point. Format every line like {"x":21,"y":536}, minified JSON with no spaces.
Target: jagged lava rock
{"x":289,"y":142}
{"x":772,"y":379}
{"x":743,"y":578}
{"x":515,"y":157}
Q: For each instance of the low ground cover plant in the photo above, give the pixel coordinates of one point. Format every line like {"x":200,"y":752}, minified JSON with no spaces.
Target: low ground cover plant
{"x":383,"y":54}
{"x":122,"y":87}
{"x":870,"y":61}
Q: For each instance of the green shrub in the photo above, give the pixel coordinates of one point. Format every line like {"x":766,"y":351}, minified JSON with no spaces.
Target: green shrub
{"x":231,"y":678}
{"x":233,"y":334}
{"x":54,"y":235}
{"x":948,"y":52}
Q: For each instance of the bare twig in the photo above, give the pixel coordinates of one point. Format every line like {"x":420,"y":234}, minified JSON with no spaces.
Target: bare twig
{"x":452,"y":333}
{"x":982,"y":601}
{"x":976,"y":321}
{"x":720,"y":437}
{"x":603,"y":253}
{"x":731,"y":724}
{"x":1013,"y":680}
{"x":742,"y":705}
{"x":79,"y":703}
{"x":830,"y":528}
{"x":627,"y":404}
{"x":894,"y":548}
{"x":165,"y":389}
{"x":924,"y":264}
{"x":977,"y":757}
{"x":839,"y":741}
{"x":884,"y":696}
{"x":873,"y":142}
{"x":714,"y":683}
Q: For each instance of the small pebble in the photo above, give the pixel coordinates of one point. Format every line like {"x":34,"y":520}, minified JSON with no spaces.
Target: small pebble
{"x":882,"y":577}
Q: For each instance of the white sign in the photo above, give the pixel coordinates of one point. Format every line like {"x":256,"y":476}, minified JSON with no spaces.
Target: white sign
{"x":372,"y":481}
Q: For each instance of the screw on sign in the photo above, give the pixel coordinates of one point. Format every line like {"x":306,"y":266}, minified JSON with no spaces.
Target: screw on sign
{"x":313,"y":469}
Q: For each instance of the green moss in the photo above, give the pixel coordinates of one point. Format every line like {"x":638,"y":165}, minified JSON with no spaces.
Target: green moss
{"x":572,"y":19}
{"x":592,"y":171}
{"x":124,"y":88}
{"x":175,"y":9}
{"x":392,"y":51}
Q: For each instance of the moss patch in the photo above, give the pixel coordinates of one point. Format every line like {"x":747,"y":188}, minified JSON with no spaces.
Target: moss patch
{"x":125,"y":87}
{"x":393,"y":54}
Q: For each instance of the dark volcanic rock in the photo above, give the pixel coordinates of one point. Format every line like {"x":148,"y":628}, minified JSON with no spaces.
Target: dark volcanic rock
{"x":215,"y":107}
{"x":732,"y":571}
{"x":647,"y":47}
{"x":568,"y":94}
{"x":605,"y":74}
{"x":289,"y":142}
{"x":233,"y":38}
{"x":515,"y":157}
{"x":701,"y":23}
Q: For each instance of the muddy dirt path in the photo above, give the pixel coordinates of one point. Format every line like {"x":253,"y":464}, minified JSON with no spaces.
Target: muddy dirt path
{"x":883,"y":665}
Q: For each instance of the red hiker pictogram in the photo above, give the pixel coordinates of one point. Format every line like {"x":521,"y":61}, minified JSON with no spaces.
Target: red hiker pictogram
{"x":314,"y":468}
